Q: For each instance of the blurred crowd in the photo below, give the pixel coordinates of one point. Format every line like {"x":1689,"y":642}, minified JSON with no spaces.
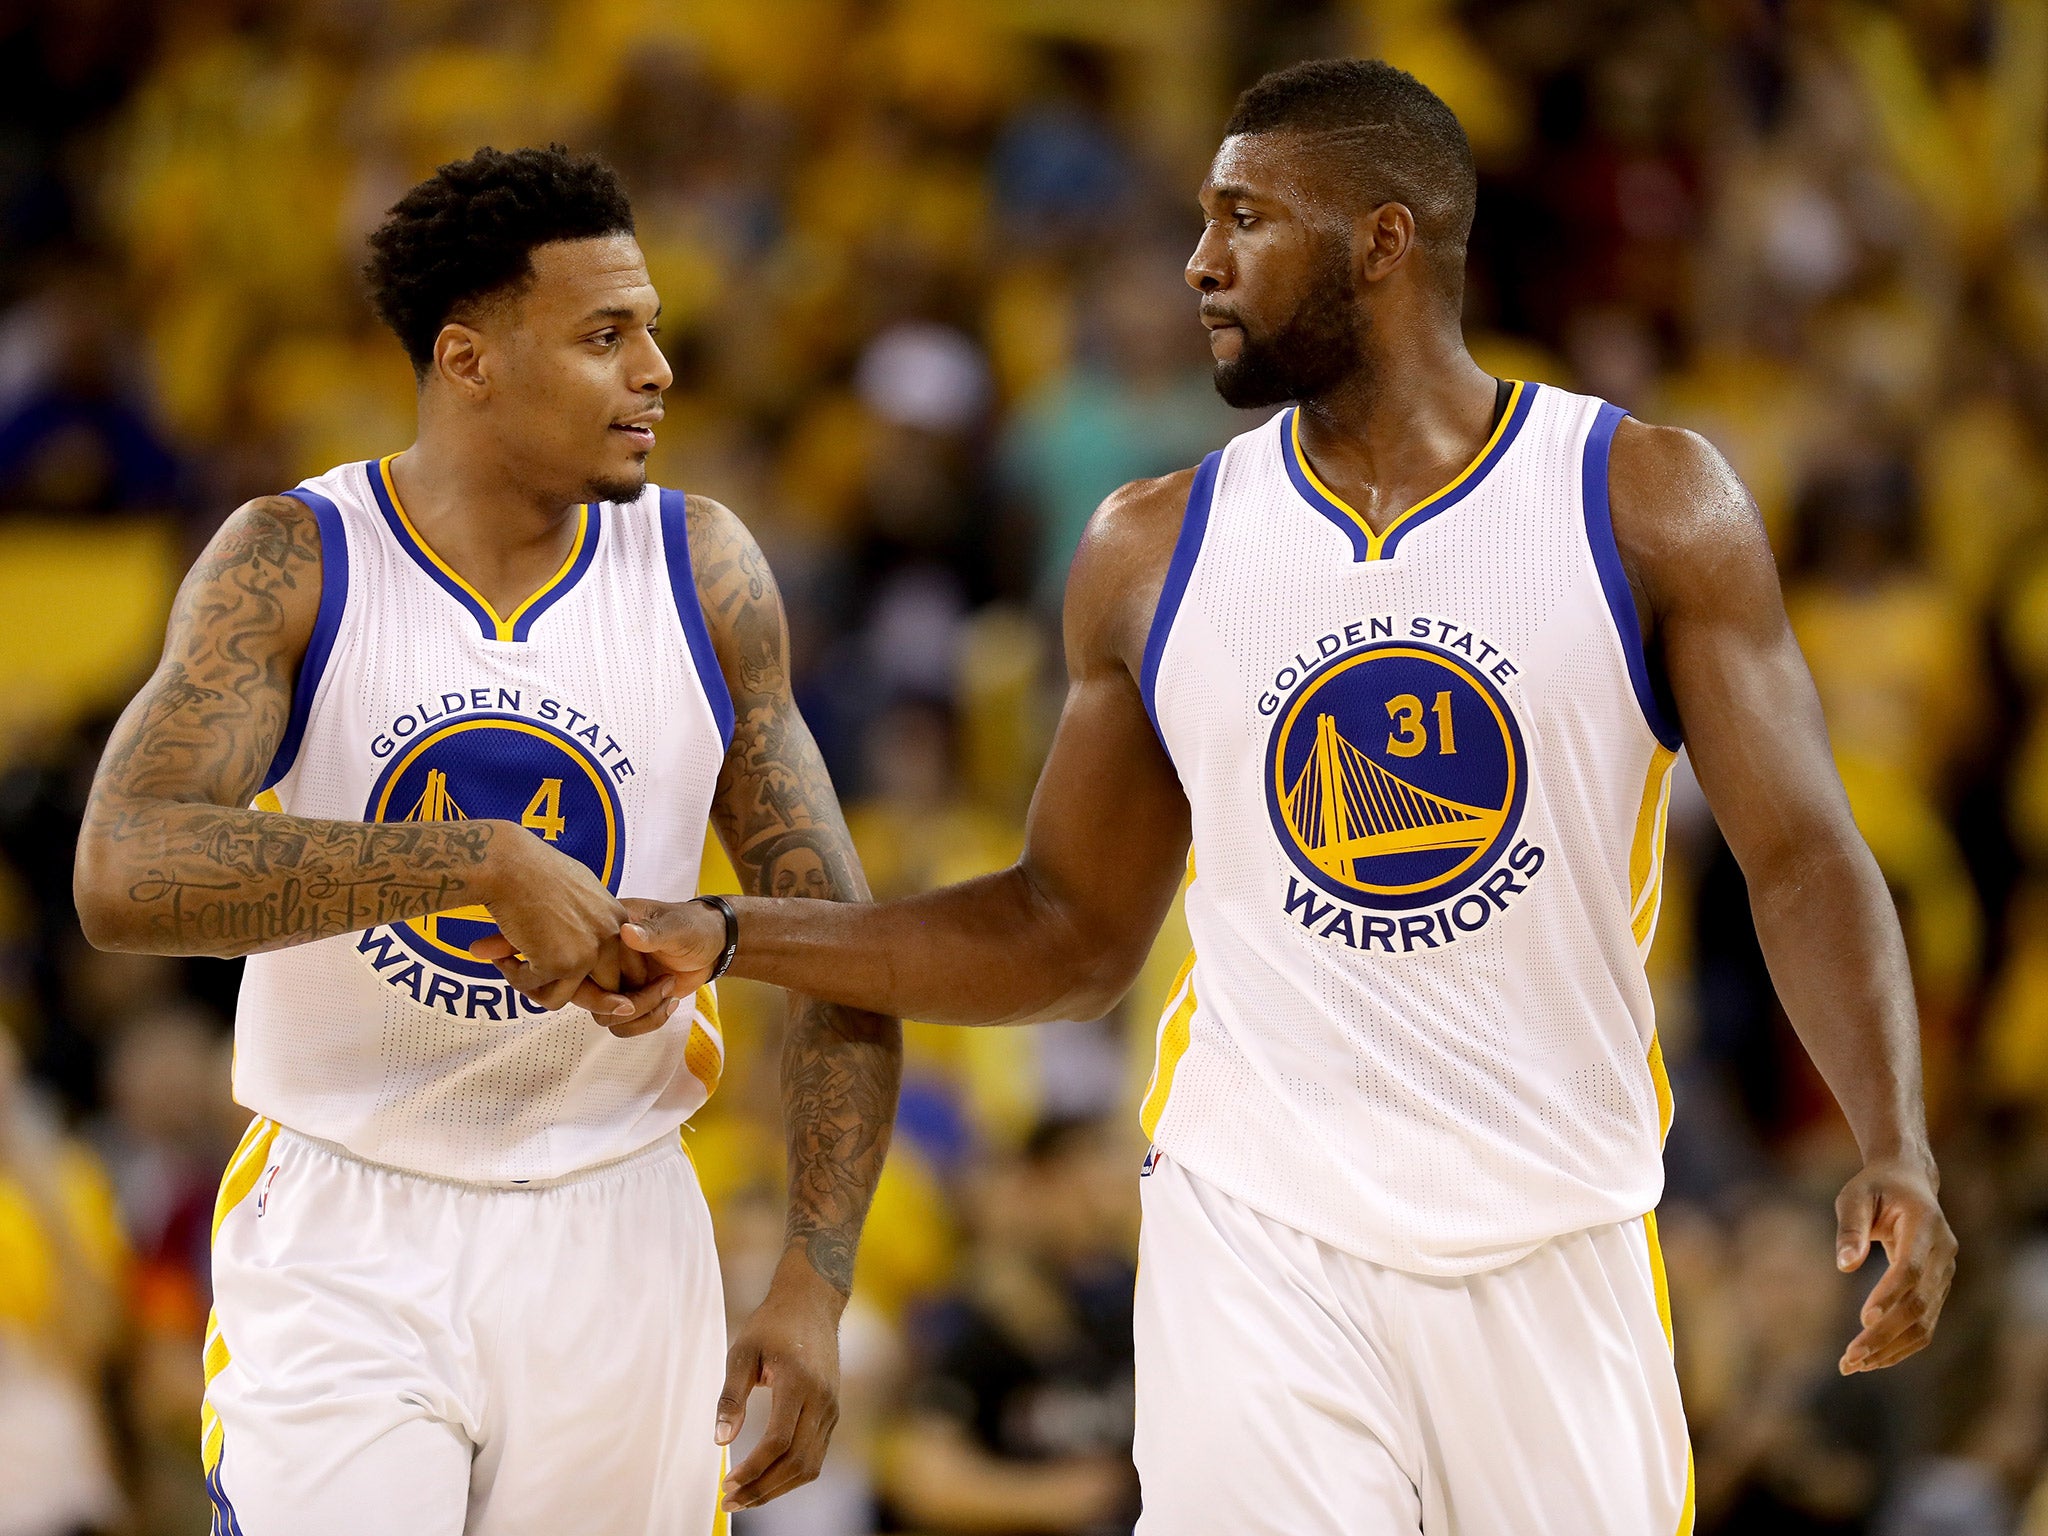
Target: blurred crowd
{"x":921,"y":265}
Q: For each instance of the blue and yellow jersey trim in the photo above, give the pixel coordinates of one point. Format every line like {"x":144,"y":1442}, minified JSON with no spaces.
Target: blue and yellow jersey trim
{"x":1621,"y":603}
{"x":1365,"y":543}
{"x":326,"y":625}
{"x":682,"y":583}
{"x":518,"y":624}
{"x":1187,"y":549}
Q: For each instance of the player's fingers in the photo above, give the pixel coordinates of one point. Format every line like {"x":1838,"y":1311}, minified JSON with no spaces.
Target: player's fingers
{"x":550,"y":993}
{"x":1905,"y":1315}
{"x":1855,"y":1208}
{"x":785,"y":1407}
{"x":793,"y":1468}
{"x":647,"y":1023}
{"x":648,"y":924}
{"x":742,"y":1371}
{"x":611,"y":1008}
{"x":493,"y":946}
{"x":604,"y":966}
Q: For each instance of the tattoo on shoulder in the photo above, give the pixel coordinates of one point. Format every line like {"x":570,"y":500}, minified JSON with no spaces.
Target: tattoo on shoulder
{"x":169,"y":818}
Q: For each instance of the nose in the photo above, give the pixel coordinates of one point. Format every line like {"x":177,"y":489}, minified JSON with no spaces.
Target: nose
{"x":1208,"y":269}
{"x":655,"y":374}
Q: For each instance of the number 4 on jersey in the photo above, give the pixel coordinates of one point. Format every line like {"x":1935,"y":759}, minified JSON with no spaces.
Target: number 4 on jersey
{"x":544,"y":811}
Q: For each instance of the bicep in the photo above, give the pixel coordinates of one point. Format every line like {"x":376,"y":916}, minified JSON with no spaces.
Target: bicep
{"x":1745,"y":698}
{"x":1107,"y":837}
{"x":206,"y":725}
{"x":774,"y":808}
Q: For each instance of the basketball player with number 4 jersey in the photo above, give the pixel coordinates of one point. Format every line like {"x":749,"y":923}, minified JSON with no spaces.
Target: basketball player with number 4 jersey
{"x":478,"y":690}
{"x":1409,"y":666}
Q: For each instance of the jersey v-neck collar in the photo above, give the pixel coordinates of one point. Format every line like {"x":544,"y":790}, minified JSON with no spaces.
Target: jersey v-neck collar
{"x":1368,"y":545}
{"x":517,"y":625}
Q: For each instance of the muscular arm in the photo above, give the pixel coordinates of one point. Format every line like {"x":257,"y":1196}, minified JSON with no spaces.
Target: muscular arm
{"x":777,"y":816}
{"x":780,"y":822}
{"x":1062,"y":933}
{"x":172,"y":860}
{"x":1695,"y":551}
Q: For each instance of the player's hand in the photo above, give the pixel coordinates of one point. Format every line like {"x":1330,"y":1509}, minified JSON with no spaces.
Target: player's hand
{"x":791,"y":1346}
{"x":1892,"y":1201}
{"x":645,"y":997}
{"x":558,"y":927}
{"x":683,"y":938}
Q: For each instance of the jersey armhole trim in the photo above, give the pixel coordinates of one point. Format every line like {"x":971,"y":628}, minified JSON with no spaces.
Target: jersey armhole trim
{"x":1621,"y":602}
{"x":326,"y":625}
{"x":1194,"y":525}
{"x":682,"y":585}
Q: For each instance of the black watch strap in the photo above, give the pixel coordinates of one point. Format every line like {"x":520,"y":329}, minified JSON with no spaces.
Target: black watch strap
{"x":724,"y":909}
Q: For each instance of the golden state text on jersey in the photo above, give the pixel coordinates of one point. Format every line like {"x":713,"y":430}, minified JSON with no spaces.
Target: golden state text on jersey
{"x":555,"y":772}
{"x":1395,"y":780}
{"x":594,"y":715}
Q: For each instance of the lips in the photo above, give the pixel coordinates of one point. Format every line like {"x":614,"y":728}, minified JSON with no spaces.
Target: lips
{"x":639,"y":430}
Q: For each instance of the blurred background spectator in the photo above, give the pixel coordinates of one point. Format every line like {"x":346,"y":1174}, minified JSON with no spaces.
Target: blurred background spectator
{"x":921,"y":265}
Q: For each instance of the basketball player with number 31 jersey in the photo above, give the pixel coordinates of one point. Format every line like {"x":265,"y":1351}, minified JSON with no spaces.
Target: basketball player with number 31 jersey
{"x":1406,"y":668}
{"x":421,"y":723}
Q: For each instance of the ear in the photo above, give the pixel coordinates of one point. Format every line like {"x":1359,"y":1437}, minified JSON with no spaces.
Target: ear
{"x":1382,"y":241}
{"x":460,"y":360}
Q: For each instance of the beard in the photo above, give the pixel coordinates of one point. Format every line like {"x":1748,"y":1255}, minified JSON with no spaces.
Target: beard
{"x":623,"y":489}
{"x":1312,"y":351}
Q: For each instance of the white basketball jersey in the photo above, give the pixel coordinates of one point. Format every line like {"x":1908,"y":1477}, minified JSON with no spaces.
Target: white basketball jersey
{"x":596,"y":716}
{"x":1429,"y":776}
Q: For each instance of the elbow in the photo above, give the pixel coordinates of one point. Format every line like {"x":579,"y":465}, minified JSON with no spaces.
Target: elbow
{"x":106,"y":920}
{"x":1094,"y":985}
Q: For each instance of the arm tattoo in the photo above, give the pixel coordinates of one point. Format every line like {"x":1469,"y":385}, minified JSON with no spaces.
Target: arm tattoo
{"x":778,"y":818}
{"x":168,"y":842}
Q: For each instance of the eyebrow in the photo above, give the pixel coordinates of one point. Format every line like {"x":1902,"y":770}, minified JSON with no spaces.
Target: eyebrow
{"x":617,"y":312}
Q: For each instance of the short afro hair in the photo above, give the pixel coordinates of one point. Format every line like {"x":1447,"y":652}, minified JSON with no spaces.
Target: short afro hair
{"x":1388,"y":132}
{"x":466,"y":234}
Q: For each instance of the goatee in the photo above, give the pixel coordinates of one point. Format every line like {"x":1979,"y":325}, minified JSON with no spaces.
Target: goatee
{"x":1314,"y":350}
{"x":617,"y":491}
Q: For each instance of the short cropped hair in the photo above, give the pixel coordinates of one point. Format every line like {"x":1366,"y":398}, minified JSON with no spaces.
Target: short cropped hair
{"x":1390,"y":134}
{"x":466,"y":235}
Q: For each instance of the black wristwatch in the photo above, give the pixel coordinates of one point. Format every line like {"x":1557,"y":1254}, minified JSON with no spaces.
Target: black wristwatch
{"x":724,"y":909}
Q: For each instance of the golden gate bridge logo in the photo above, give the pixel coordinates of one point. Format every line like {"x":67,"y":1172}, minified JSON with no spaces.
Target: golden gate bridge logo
{"x":436,"y":804}
{"x":505,"y":768}
{"x":1344,"y":807}
{"x":1394,"y":772}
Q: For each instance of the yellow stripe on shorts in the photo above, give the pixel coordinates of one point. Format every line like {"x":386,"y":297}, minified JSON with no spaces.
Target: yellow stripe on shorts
{"x":1662,"y":1286}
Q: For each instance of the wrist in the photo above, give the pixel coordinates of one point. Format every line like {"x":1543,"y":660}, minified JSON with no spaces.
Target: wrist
{"x":796,"y":1272}
{"x":503,"y":856}
{"x":1902,"y":1151}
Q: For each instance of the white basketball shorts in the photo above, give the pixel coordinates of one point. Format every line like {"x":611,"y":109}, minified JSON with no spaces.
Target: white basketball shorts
{"x":393,"y":1353}
{"x":1287,"y":1387}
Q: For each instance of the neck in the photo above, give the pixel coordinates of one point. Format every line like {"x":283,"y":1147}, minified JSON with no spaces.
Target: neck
{"x":476,"y":510}
{"x":464,"y":491}
{"x":1401,"y":426}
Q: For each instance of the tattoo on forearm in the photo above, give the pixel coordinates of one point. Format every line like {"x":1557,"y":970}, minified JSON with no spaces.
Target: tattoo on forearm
{"x":776,"y":814}
{"x":200,"y":873}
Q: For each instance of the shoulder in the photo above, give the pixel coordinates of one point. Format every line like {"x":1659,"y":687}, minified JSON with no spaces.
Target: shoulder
{"x":1679,"y":509}
{"x":742,"y":608}
{"x":270,"y":544}
{"x":1120,"y":566}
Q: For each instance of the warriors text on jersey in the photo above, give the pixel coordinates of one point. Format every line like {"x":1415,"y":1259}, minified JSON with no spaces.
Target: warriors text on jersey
{"x":594,"y":715}
{"x":1428,"y":773}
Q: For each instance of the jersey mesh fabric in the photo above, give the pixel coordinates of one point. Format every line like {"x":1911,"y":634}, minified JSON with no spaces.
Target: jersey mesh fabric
{"x":1440,"y":1103}
{"x":394,"y":1048}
